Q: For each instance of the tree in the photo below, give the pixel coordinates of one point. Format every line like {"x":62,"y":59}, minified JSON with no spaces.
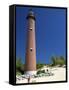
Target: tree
{"x":18,"y":63}
{"x":57,"y":60}
{"x":62,"y":60}
{"x":53,"y":59}
{"x":19,"y":67}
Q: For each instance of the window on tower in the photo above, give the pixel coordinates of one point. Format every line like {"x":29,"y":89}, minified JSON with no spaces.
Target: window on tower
{"x":31,"y":49}
{"x":31,"y":29}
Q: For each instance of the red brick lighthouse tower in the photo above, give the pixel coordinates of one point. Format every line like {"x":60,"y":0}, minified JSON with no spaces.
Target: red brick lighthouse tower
{"x":30,"y":58}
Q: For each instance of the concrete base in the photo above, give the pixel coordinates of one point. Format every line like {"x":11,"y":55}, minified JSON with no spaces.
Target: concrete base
{"x":30,"y":72}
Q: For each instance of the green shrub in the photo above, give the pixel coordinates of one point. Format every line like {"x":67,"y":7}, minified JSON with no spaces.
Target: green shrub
{"x":40,"y":71}
{"x":19,"y":66}
{"x":18,"y":73}
{"x":39,"y":66}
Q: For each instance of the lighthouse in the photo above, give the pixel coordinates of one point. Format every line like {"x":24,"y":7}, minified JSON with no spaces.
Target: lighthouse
{"x":30,"y":55}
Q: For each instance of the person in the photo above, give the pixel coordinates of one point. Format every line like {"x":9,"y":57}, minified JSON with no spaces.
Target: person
{"x":47,"y":70}
{"x":29,"y":79}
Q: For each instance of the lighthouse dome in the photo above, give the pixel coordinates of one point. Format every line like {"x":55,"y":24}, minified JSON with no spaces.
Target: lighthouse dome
{"x":31,"y":14}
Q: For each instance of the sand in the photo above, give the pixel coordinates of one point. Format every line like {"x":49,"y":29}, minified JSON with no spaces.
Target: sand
{"x":59,"y":75}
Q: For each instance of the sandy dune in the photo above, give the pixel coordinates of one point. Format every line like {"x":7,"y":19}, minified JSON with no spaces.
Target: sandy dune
{"x":59,"y":75}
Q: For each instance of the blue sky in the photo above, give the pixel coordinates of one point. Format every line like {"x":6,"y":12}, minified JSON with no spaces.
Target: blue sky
{"x":50,"y":33}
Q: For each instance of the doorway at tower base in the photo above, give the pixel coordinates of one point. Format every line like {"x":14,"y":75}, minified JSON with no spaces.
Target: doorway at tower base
{"x":30,"y":73}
